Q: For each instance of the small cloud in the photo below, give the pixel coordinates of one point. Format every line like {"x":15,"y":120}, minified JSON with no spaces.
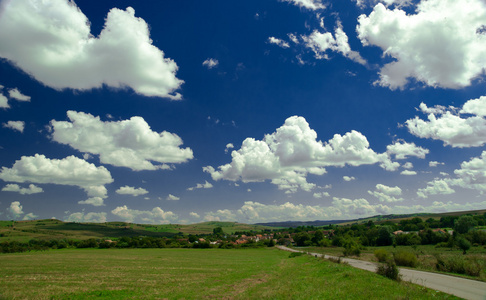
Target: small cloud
{"x":228,"y":146}
{"x":3,"y":101}
{"x":195,"y":215}
{"x":348,"y":178}
{"x":320,"y":195}
{"x":210,"y":63}
{"x":408,"y":165}
{"x":17,"y":95}
{"x":408,"y":172}
{"x":15,"y":125}
{"x":278,"y":42}
{"x":32,"y":189}
{"x":29,"y":216}
{"x":128,"y":190}
{"x":206,"y":185}
{"x":172,"y":198}
{"x":248,"y":190}
{"x":435,"y":163}
{"x":95,"y":201}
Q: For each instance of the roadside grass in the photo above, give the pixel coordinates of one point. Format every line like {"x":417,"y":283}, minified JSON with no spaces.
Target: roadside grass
{"x":191,"y":274}
{"x":426,"y":256}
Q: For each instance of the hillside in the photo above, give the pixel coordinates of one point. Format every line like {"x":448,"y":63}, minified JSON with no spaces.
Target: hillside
{"x":56,"y":229}
{"x":376,"y":219}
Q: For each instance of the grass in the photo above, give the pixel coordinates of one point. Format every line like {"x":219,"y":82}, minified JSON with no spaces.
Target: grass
{"x":191,"y":274}
{"x":426,"y":255}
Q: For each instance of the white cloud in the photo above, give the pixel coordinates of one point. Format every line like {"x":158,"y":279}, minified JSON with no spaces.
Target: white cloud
{"x":172,"y":198}
{"x":408,"y":172}
{"x":128,"y":143}
{"x":309,"y":4}
{"x":32,"y":189}
{"x":194,"y":215}
{"x":129,"y":190}
{"x":420,"y":44}
{"x":397,"y":3}
{"x":278,"y":42}
{"x":319,"y":43}
{"x":89,"y":217}
{"x":156,"y":215}
{"x":290,"y":153}
{"x":206,"y":185}
{"x":475,"y":107}
{"x":348,"y":178}
{"x":386,"y":193}
{"x":403,"y":150}
{"x":15,"y":125}
{"x":228,"y":147}
{"x":408,"y":165}
{"x":17,"y":95}
{"x":435,"y":163}
{"x":436,"y":187}
{"x":210,"y":63}
{"x":320,"y":195}
{"x":447,"y":125}
{"x":68,"y":171}
{"x":472,"y":174}
{"x":95,"y":201}
{"x":29,"y":216}
{"x":3,"y":101}
{"x":15,"y":210}
{"x":51,"y":41}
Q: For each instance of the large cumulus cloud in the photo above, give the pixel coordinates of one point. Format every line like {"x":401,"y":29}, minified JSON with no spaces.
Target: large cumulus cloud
{"x":441,"y":45}
{"x":68,"y":171}
{"x":51,"y":40}
{"x":128,"y":143}
{"x":293,"y":151}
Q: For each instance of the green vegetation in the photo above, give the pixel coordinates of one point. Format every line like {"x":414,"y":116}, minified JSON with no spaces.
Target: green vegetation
{"x":191,"y":274}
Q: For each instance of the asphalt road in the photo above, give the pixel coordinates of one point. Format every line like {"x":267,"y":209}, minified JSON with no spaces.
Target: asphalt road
{"x":460,"y":287}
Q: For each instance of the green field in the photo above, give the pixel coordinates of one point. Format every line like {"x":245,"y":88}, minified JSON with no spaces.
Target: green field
{"x":191,"y":274}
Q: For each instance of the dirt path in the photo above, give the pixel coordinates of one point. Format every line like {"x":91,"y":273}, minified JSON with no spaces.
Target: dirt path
{"x":461,"y":287}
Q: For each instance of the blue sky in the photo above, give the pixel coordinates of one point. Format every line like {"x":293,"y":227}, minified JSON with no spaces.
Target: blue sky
{"x":248,"y":111}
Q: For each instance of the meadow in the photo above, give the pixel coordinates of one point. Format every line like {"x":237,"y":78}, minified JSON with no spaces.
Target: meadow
{"x":265,"y":273}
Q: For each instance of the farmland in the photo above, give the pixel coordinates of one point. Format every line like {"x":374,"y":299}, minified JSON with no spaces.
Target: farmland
{"x":191,"y":274}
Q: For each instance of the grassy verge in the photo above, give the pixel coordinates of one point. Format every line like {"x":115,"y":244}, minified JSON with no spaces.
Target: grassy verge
{"x":426,"y":256}
{"x":191,"y":274}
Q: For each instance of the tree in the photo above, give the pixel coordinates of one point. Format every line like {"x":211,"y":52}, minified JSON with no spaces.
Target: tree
{"x":385,"y":236}
{"x":464,"y":224}
{"x":218,"y":231}
{"x":464,"y":244}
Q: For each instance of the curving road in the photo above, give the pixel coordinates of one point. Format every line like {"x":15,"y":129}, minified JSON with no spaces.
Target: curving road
{"x":460,"y":287}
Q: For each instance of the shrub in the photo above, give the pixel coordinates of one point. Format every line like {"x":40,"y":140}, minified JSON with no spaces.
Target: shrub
{"x":295,"y":254}
{"x":381,"y":255}
{"x":389,"y":269}
{"x":458,"y":264}
{"x":405,"y":258}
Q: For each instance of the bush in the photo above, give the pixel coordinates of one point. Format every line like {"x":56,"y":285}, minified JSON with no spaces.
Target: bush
{"x":458,"y":264}
{"x":406,"y":259}
{"x":295,"y":254}
{"x":389,"y":269}
{"x":381,"y":255}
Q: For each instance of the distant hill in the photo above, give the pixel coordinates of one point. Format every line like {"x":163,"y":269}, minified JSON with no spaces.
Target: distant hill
{"x":55,"y":229}
{"x":376,"y":219}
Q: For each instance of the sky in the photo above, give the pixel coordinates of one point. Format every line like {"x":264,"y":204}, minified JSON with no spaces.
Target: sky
{"x":249,"y":111}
